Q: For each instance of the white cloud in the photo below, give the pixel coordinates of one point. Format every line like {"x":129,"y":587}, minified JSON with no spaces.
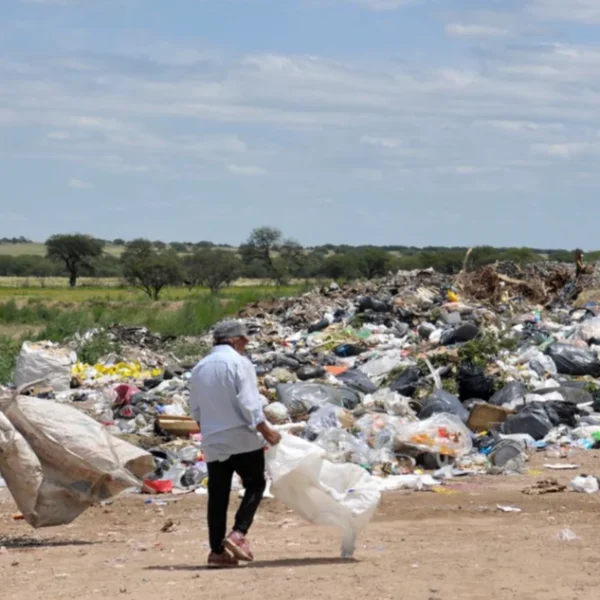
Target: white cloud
{"x":79,"y":184}
{"x":61,"y":136}
{"x":246,"y":170}
{"x":565,"y":151}
{"x":585,"y":11}
{"x":471,"y":30}
{"x":381,"y":142}
{"x":57,"y":2}
{"x":385,"y":4}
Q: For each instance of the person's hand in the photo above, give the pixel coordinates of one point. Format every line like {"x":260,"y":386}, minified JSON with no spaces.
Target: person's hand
{"x":272,"y":436}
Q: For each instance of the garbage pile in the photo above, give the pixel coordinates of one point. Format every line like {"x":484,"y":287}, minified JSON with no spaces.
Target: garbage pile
{"x":413,"y":373}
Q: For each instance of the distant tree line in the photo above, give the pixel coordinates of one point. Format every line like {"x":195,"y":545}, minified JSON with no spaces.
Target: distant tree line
{"x":266,"y":254}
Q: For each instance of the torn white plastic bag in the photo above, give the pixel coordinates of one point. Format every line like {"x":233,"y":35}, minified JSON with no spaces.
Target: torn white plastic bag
{"x":322,"y":492}
{"x":56,"y":461}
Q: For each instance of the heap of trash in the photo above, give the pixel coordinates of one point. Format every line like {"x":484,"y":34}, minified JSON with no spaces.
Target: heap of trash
{"x":416,"y":378}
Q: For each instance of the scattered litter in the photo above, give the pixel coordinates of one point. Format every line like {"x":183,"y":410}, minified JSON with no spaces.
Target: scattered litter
{"x":566,"y":535}
{"x":508,"y":509}
{"x":406,"y":382}
{"x":585,"y":484}
{"x":545,"y":486}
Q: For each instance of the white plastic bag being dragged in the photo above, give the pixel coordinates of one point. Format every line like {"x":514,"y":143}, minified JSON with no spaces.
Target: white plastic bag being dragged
{"x":45,"y":360}
{"x":57,"y":461}
{"x":323,"y":493}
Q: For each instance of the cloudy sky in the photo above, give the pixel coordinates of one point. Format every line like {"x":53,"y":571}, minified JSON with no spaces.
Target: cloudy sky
{"x":416,"y":122}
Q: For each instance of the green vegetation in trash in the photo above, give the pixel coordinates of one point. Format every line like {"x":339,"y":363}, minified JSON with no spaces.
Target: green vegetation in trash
{"x":450,"y":385}
{"x":92,"y":350}
{"x":9,"y":350}
{"x":189,"y":349}
{"x":479,"y":351}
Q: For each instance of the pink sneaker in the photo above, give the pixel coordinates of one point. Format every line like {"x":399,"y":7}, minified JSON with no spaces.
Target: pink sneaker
{"x":221,"y":561}
{"x":239,"y":546}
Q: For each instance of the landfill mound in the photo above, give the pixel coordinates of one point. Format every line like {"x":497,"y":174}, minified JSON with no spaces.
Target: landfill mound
{"x":416,"y":378}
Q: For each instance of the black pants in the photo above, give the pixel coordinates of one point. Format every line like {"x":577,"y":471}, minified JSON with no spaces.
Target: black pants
{"x":250,"y":466}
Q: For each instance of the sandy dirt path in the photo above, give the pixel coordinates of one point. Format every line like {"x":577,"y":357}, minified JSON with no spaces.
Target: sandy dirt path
{"x":421,"y":546}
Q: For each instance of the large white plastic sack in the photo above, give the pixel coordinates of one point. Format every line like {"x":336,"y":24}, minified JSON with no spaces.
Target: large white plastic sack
{"x":322,"y":492}
{"x":45,"y":360}
{"x":57,"y":461}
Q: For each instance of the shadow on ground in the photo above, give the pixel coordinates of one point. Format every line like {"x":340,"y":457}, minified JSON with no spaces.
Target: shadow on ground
{"x":262,"y":564}
{"x":29,"y":542}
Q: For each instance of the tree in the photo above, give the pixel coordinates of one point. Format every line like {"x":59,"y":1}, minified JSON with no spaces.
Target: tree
{"x":75,"y":250}
{"x":373,"y":262}
{"x":340,"y":266}
{"x":150,"y":269}
{"x":214,"y":269}
{"x":279,"y":256}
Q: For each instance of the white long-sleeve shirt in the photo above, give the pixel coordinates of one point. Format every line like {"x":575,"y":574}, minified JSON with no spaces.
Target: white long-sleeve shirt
{"x":225,"y":401}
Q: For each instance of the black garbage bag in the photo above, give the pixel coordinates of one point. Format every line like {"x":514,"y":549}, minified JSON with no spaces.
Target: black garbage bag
{"x":570,"y":360}
{"x":370,"y":303}
{"x":460,"y":334}
{"x":319,"y":326}
{"x":358,"y":380}
{"x":514,"y":390}
{"x":350,"y":398}
{"x":474,"y":383}
{"x":571,"y":395}
{"x":405,"y":315}
{"x":310,"y":372}
{"x":407,"y":382}
{"x":401,"y":329}
{"x":288,"y":362}
{"x":562,"y":413}
{"x":532,"y":419}
{"x":442,"y":401}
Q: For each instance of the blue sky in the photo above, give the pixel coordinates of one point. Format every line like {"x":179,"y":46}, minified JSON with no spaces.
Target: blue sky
{"x":416,"y":122}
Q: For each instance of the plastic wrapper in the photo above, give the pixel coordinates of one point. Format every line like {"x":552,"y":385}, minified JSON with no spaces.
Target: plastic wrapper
{"x":441,"y":434}
{"x":300,"y":397}
{"x":407,"y":383}
{"x":322,"y":492}
{"x":357,"y":380}
{"x":341,"y":447}
{"x":327,"y":417}
{"x":378,"y":430}
{"x":377,"y":368}
{"x":442,"y":401}
{"x":277,"y":413}
{"x":570,"y":360}
{"x":511,"y":392}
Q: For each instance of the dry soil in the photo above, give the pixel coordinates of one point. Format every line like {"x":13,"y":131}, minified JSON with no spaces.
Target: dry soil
{"x":445,"y":545}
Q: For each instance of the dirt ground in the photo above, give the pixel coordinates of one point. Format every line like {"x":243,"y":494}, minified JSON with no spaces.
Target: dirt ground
{"x":421,"y":546}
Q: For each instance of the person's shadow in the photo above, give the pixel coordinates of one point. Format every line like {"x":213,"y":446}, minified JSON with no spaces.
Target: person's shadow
{"x":262,"y":564}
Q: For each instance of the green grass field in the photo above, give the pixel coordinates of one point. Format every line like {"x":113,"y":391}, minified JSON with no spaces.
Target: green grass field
{"x":57,"y":314}
{"x":38,"y":249}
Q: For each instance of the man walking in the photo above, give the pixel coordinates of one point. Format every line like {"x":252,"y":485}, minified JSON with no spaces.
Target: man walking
{"x":225,"y":402}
